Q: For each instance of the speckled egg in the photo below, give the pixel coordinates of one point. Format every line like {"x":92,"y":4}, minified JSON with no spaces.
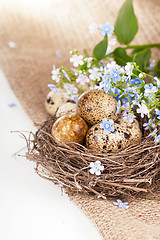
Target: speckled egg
{"x":54,"y":101}
{"x":116,"y":141}
{"x":95,"y":105}
{"x":69,"y":128}
{"x":65,"y":109}
{"x":134,"y":128}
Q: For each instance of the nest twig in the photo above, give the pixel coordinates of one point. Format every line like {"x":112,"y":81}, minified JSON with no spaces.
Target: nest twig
{"x":134,"y":171}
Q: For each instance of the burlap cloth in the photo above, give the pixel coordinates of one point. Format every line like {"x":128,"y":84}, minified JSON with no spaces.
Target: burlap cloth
{"x":45,"y":32}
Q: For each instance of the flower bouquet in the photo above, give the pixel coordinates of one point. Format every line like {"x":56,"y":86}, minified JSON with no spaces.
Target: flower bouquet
{"x":115,"y":94}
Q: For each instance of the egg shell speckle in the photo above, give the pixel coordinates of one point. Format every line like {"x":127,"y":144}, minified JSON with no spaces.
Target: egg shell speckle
{"x":54,"y":101}
{"x":95,"y":105}
{"x":69,"y":128}
{"x":115,"y":141}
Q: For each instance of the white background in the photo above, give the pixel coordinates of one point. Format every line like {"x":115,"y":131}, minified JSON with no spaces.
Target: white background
{"x":31,"y":208}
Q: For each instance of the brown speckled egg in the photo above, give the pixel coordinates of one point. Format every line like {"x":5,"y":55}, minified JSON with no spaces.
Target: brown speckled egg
{"x":95,"y":105}
{"x":65,"y":109}
{"x":133,"y":127}
{"x":54,"y":101}
{"x":70,"y":128}
{"x":115,"y":141}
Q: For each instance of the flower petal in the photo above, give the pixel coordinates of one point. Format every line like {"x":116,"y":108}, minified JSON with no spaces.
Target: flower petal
{"x":111,"y":121}
{"x":92,"y":171}
{"x":97,"y":172}
{"x":91,"y":164}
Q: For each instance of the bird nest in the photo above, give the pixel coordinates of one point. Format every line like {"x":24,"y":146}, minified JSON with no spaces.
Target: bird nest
{"x":134,"y":171}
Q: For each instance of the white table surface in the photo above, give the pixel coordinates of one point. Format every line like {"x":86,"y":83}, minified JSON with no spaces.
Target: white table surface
{"x":31,"y":208}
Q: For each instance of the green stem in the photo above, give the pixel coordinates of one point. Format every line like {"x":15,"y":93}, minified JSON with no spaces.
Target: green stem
{"x":143,"y":46}
{"x":108,"y":55}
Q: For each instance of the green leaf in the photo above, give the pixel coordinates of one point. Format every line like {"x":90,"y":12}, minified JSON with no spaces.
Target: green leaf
{"x":100,"y":49}
{"x":157,"y":69}
{"x":121,"y":57}
{"x":142,"y":57}
{"x":126,"y":25}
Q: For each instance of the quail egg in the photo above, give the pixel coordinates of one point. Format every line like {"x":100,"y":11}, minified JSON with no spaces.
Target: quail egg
{"x":95,"y":105}
{"x":115,"y":141}
{"x":69,"y":128}
{"x":134,"y":128}
{"x":54,"y":101}
{"x":66,"y":108}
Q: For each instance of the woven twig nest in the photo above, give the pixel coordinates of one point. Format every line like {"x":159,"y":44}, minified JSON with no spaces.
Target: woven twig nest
{"x":130,"y":172}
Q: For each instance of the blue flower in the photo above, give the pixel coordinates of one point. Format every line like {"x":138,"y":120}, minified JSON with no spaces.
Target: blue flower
{"x":106,"y":82}
{"x":158,"y":81}
{"x":107,"y":29}
{"x":119,"y":203}
{"x":158,"y":113}
{"x":153,"y":134}
{"x":118,"y":106}
{"x":157,"y":139}
{"x":115,"y":75}
{"x":127,"y":116}
{"x":135,"y":81}
{"x":106,"y":125}
{"x":96,"y":168}
{"x":150,"y":89}
{"x":114,"y":91}
{"x":149,"y":124}
{"x":53,"y":87}
{"x":125,"y":100}
{"x":107,"y":86}
{"x":102,"y":64}
{"x":152,"y":64}
{"x":11,"y":105}
{"x":66,"y":75}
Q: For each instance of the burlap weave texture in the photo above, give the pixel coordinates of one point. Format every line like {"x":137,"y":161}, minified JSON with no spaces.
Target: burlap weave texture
{"x":39,"y":30}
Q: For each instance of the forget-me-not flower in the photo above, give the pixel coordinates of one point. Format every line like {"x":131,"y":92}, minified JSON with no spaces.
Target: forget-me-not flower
{"x":115,"y":74}
{"x":157,"y":139}
{"x":106,"y":83}
{"x":119,"y":203}
{"x":107,"y":125}
{"x":82,"y":79}
{"x":152,"y":65}
{"x":77,"y":60}
{"x":127,"y":116}
{"x":143,"y":110}
{"x":94,"y":73}
{"x":107,"y":29}
{"x":111,"y":65}
{"x":152,"y":134}
{"x":93,"y":27}
{"x":149,"y":125}
{"x":88,"y":60}
{"x":12,"y":44}
{"x":53,"y":87}
{"x":70,"y":88}
{"x":114,"y":91}
{"x":110,"y":44}
{"x":55,"y":74}
{"x":96,"y":168}
{"x":158,"y":113}
{"x":128,"y":68}
{"x":66,"y":75}
{"x":158,"y":81}
{"x":118,"y":106}
{"x":150,"y":89}
{"x":135,"y":81}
